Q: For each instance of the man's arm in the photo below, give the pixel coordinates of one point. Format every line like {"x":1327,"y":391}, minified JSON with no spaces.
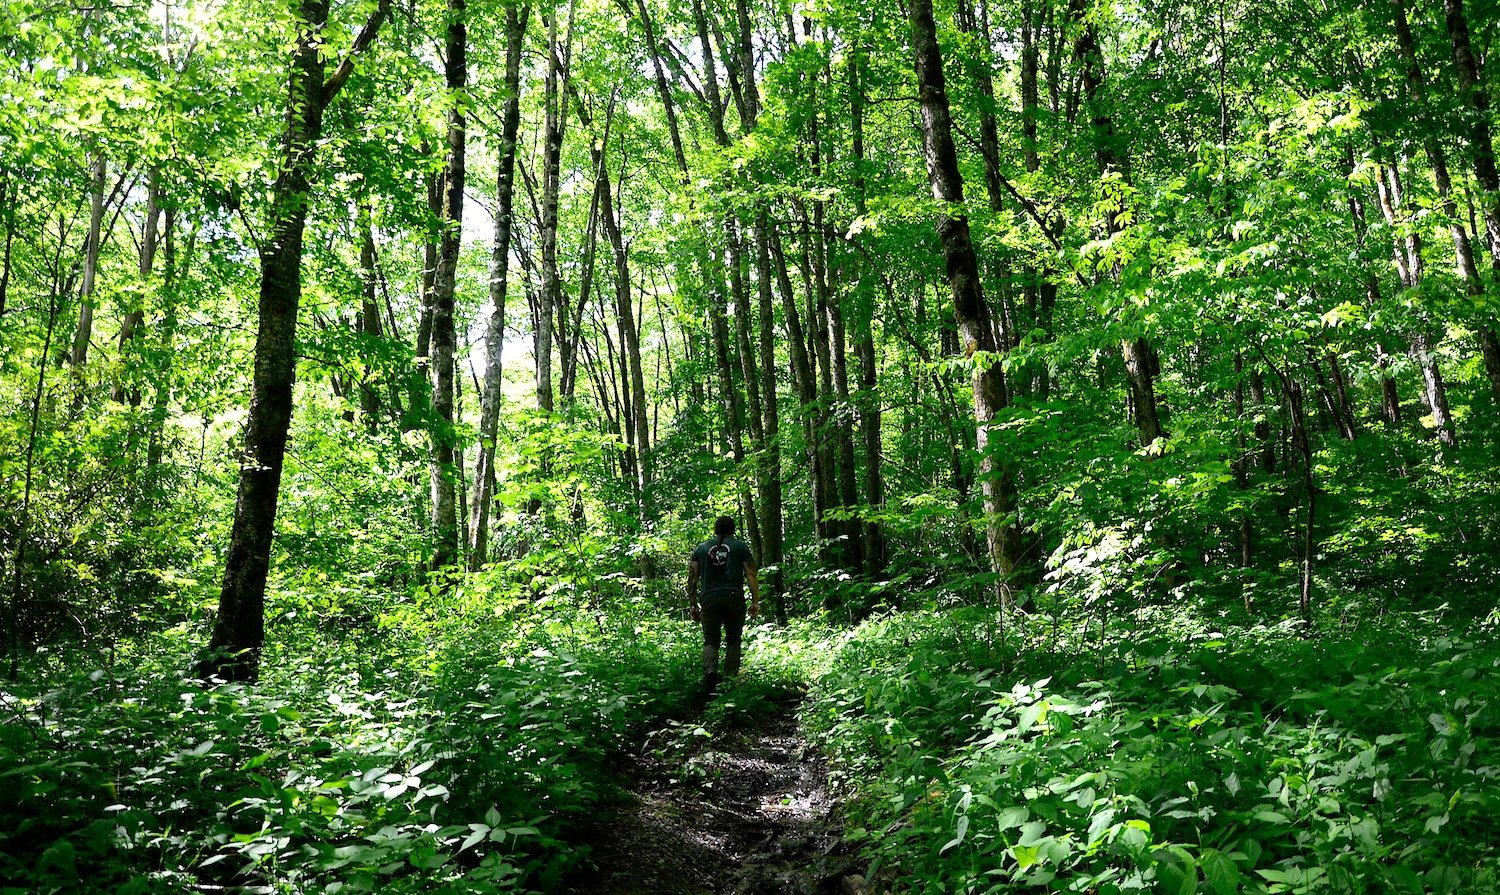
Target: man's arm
{"x":692,"y":590}
{"x":754,"y":581}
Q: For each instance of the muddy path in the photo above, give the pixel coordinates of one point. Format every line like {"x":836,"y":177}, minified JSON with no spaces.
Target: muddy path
{"x":743,"y":812}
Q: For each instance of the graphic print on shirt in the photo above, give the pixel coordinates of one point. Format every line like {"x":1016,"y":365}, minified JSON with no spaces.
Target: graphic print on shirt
{"x":718,"y":555}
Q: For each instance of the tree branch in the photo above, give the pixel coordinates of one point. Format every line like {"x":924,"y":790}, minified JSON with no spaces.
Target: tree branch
{"x":362,"y":42}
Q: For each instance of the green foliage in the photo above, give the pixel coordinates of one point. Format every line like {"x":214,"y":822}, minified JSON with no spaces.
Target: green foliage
{"x":1240,"y":760}
{"x":396,"y":759}
{"x":418,"y":731}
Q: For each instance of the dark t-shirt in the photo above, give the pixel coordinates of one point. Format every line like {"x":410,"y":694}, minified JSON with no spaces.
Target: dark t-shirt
{"x":721,"y":567}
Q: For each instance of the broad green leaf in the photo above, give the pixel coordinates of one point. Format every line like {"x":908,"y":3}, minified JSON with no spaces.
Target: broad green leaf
{"x":1222,"y":874}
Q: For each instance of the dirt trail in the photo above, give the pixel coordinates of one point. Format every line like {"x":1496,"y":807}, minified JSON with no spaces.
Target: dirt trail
{"x":742,"y":813}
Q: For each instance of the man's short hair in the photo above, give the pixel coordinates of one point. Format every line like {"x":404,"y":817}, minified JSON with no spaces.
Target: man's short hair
{"x":723,"y":526}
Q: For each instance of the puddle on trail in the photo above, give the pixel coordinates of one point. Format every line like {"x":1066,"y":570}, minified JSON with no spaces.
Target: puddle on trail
{"x":746,"y":814}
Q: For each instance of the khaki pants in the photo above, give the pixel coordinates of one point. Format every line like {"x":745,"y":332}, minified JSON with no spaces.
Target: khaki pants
{"x":724,"y":615}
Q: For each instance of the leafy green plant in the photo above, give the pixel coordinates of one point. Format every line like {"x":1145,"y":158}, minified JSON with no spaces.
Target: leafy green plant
{"x":1244,"y":761}
{"x":452,"y":758}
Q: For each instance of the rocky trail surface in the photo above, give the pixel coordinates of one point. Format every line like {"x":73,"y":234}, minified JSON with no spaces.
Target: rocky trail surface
{"x":743,"y":812}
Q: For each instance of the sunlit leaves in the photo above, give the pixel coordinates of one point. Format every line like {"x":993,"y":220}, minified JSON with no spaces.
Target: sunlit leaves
{"x":1192,"y":765}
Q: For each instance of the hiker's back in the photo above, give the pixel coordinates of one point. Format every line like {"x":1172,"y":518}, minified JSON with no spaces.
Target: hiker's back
{"x":722,"y":562}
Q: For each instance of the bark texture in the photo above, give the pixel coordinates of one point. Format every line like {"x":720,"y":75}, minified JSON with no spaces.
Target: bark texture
{"x":239,"y":627}
{"x":134,"y":318}
{"x":494,"y":339}
{"x":1411,"y":268}
{"x":1482,"y":152}
{"x":444,"y":474}
{"x":1114,"y":161}
{"x":82,"y":336}
{"x":970,"y":311}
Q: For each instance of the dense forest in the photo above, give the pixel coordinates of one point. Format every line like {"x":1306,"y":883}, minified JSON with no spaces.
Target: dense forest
{"x":1110,"y":392}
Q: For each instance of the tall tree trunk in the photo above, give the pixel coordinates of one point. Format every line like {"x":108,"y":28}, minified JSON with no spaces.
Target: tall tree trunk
{"x":569,"y":322}
{"x":239,"y":627}
{"x":1390,"y":399}
{"x":771,"y":524}
{"x":804,"y":381}
{"x":633,"y":403}
{"x":844,"y":423}
{"x":85,"y":332}
{"x":669,"y":108}
{"x":740,"y":293}
{"x":1038,"y":281}
{"x":1424,"y":348}
{"x":1267,"y":447}
{"x":833,"y":375}
{"x":639,"y":404}
{"x":745,"y":50}
{"x":749,"y":372}
{"x":131,"y":323}
{"x":815,"y":276}
{"x":1113,"y":158}
{"x":1333,"y":395}
{"x":429,"y":265}
{"x":663,"y":89}
{"x":369,"y":325}
{"x":1348,"y":422}
{"x":460,"y":478}
{"x":156,"y":435}
{"x":720,"y":345}
{"x":639,"y":421}
{"x":1463,"y":250}
{"x":1030,"y":92}
{"x":713,"y":102}
{"x":817,"y":397}
{"x":1482,"y":148}
{"x":9,"y":197}
{"x":494,"y":339}
{"x":873,"y":536}
{"x":556,"y":111}
{"x":444,"y":474}
{"x":1409,"y":265}
{"x":969,"y":306}
{"x":832,"y":331}
{"x":1303,"y":444}
{"x":1242,"y":472}
{"x":975,"y":22}
{"x":768,"y":469}
{"x":1390,"y":404}
{"x":980,"y":70}
{"x":714,"y":106}
{"x":728,"y":392}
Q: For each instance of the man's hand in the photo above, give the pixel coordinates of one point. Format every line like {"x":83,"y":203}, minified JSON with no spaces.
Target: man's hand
{"x":695,"y":612}
{"x":752,"y":578}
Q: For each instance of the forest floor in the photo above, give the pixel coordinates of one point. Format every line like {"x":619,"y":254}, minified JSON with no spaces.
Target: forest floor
{"x":745,"y":811}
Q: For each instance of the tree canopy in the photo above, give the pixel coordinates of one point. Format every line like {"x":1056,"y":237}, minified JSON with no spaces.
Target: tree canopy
{"x":397,"y":319}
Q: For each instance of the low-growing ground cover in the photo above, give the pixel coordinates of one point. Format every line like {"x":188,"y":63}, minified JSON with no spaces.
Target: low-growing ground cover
{"x":1236,"y":760}
{"x":398,"y":760}
{"x":472,"y":754}
{"x":450,"y":747}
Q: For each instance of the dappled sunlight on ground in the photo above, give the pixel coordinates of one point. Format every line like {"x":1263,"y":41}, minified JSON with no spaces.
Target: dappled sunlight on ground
{"x":742,"y":813}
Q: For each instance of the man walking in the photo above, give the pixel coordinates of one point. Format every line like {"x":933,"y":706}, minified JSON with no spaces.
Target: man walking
{"x":723,"y":565}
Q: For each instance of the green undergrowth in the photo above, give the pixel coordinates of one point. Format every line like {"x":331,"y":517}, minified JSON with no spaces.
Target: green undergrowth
{"x":454,"y":756}
{"x":779,"y":664}
{"x":455,"y":744}
{"x":1220,"y":761}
